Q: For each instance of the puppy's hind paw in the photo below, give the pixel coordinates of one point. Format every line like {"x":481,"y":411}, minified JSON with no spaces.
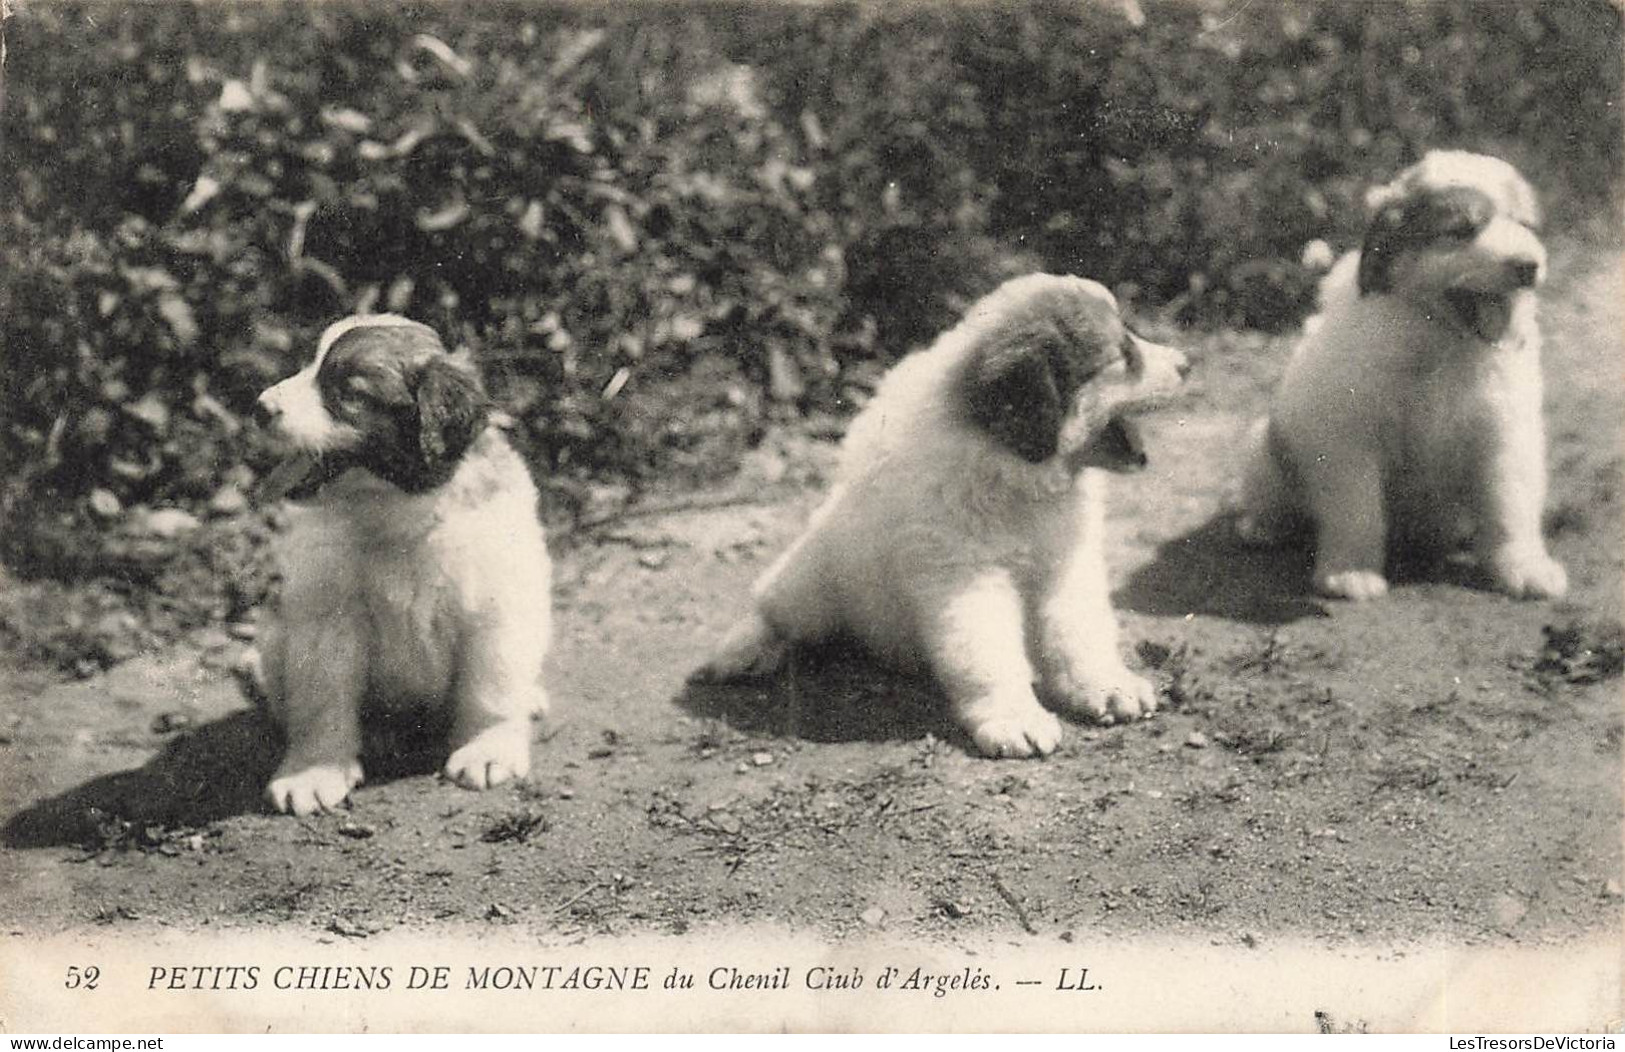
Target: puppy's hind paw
{"x":751,"y":650}
{"x":1008,"y":730}
{"x":318,"y":787}
{"x":495,"y":755}
{"x":1352,"y":584}
{"x":1117,"y":695}
{"x":1531,"y":575}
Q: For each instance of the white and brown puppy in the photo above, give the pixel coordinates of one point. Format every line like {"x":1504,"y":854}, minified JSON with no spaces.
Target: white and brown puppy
{"x":414,"y":575}
{"x":966,"y":535}
{"x":1410,"y":415}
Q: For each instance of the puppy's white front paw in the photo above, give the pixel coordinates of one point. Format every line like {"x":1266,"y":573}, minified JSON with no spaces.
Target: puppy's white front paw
{"x":1109,"y":695}
{"x":1352,"y":584}
{"x":306,"y":789}
{"x":1008,"y":729}
{"x":495,"y":755}
{"x":1528,"y":575}
{"x":751,"y":650}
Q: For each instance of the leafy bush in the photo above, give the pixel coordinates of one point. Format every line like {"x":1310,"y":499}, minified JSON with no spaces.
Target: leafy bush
{"x":588,"y":258}
{"x":662,"y":227}
{"x":1190,"y":158}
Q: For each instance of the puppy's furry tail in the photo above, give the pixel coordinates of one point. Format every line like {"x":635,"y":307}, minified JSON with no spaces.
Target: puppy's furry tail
{"x":249,"y":673}
{"x":751,"y":649}
{"x":1262,"y":504}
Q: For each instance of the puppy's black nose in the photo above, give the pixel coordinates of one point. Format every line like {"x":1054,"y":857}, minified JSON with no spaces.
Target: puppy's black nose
{"x":1525,"y":272}
{"x":1184,"y":367}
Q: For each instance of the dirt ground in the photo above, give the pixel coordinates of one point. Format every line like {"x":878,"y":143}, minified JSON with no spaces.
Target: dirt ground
{"x":1445,"y":763}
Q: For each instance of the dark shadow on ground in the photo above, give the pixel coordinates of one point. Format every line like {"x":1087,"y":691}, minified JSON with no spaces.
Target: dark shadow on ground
{"x":829,"y":693}
{"x":214,"y":771}
{"x":1208,"y":571}
{"x":211,"y":772}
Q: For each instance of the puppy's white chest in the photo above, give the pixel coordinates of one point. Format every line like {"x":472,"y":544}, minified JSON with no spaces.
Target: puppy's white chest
{"x":395,"y":593}
{"x":1444,"y":423}
{"x":410,"y":608}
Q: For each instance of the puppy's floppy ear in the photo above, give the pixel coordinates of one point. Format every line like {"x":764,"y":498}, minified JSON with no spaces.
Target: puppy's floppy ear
{"x":452,"y":410}
{"x":1429,"y":216}
{"x":1014,"y":394}
{"x":1382,"y":243}
{"x":1039,"y":339}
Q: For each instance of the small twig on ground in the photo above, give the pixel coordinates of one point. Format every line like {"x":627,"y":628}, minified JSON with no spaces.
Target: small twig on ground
{"x":578,"y":896}
{"x":674,"y":507}
{"x":1009,"y":897}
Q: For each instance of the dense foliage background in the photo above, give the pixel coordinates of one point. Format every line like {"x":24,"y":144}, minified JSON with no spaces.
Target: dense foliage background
{"x":661,"y":227}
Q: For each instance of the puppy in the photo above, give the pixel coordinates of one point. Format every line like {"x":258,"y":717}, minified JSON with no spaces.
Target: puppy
{"x":1410,"y":412}
{"x":415,"y":575}
{"x":966,"y":534}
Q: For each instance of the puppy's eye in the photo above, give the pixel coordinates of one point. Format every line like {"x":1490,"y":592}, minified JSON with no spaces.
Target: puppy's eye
{"x":1460,"y":216}
{"x":353,"y":394}
{"x":1463,"y":228}
{"x":358,"y":390}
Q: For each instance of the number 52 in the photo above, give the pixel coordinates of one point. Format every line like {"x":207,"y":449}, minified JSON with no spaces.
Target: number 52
{"x":82,"y":978}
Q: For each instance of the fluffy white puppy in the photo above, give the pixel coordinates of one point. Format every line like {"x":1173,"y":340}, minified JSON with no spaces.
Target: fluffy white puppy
{"x":965,"y":536}
{"x":1409,"y":416}
{"x":416,"y":573}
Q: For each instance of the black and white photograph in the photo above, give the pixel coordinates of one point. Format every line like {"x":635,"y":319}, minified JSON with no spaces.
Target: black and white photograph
{"x":812,"y":515}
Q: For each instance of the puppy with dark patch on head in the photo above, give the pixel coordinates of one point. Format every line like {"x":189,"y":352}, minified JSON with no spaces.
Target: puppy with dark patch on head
{"x":415,"y":571}
{"x":966,"y":534}
{"x":1409,"y":417}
